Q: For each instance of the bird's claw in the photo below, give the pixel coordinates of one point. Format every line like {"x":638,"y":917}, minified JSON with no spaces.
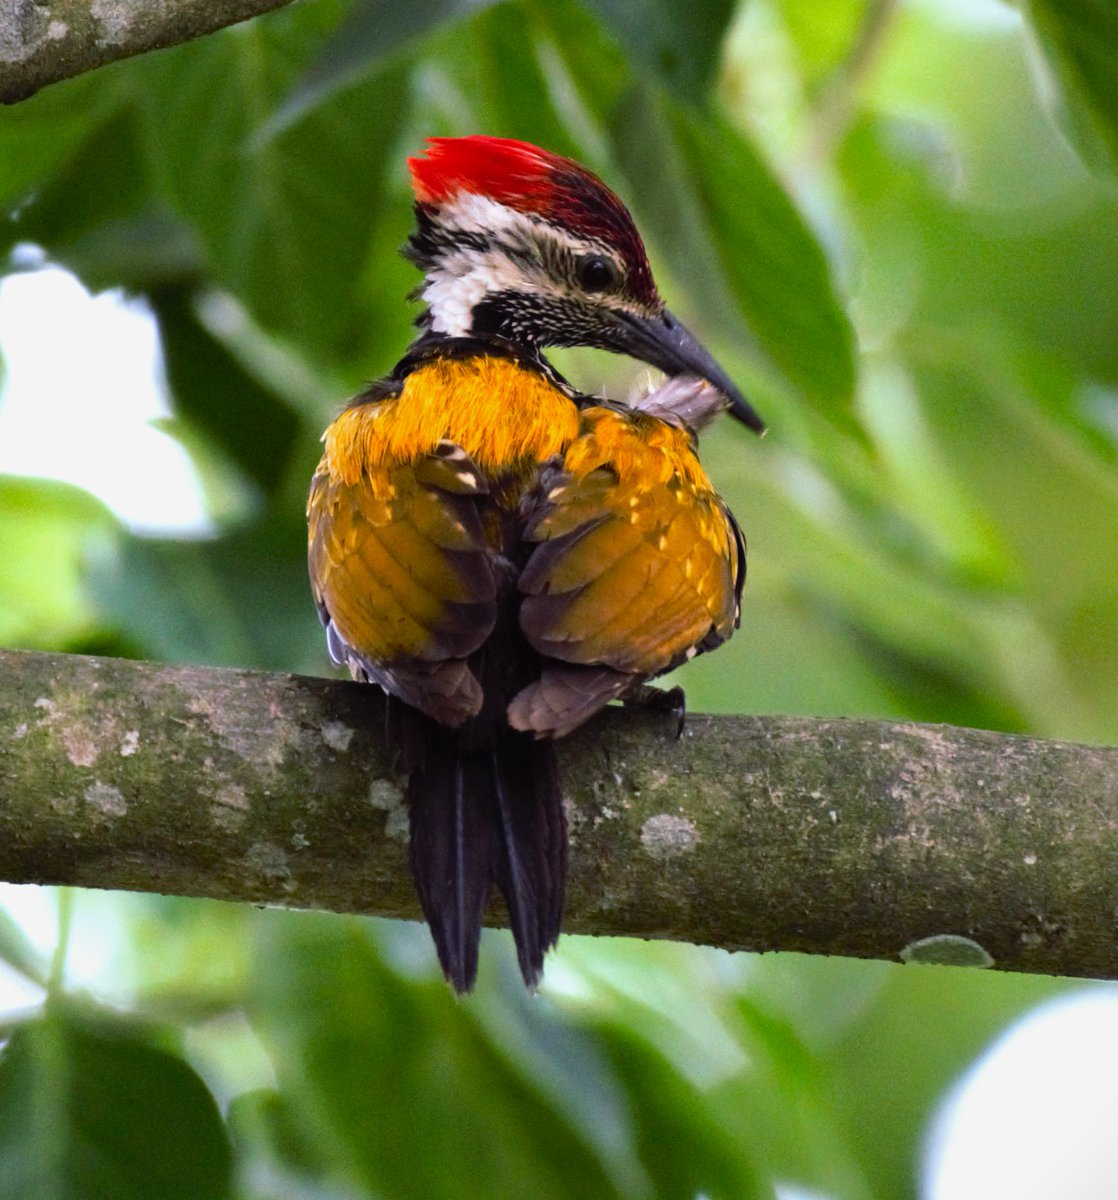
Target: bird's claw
{"x":672,"y":701}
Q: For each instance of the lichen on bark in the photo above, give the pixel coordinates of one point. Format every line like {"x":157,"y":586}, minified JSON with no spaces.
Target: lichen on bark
{"x":836,"y":837}
{"x":45,"y":43}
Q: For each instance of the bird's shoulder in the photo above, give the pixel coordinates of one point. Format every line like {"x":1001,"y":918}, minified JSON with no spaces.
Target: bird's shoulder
{"x":504,"y":407}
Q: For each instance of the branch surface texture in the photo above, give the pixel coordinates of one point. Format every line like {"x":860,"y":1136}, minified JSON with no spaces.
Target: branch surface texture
{"x":829,"y":836}
{"x":42,"y":42}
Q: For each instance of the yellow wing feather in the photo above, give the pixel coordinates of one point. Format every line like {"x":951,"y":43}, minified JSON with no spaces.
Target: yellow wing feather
{"x":639,"y":563}
{"x":403,"y":578}
{"x":399,"y":547}
{"x":633,"y":563}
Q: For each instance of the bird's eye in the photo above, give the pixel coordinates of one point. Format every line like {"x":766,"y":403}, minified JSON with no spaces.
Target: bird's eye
{"x":596,"y":273}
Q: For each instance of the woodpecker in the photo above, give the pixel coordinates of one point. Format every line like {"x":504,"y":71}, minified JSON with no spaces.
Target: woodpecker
{"x":503,"y":554}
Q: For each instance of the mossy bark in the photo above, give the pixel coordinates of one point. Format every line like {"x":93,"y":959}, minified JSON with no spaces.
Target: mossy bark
{"x":43,"y":43}
{"x":834,"y":837}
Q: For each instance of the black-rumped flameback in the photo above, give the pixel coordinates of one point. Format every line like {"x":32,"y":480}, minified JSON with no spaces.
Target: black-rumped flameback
{"x":502,"y":554}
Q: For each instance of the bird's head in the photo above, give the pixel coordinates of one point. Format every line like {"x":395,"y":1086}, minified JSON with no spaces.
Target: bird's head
{"x":518,"y":242}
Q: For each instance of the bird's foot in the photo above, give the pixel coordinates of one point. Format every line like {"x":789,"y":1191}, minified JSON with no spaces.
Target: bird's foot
{"x":671,"y":701}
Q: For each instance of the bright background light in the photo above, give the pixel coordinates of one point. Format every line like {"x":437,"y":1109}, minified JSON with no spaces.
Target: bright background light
{"x":82,"y":386}
{"x":1034,"y":1118}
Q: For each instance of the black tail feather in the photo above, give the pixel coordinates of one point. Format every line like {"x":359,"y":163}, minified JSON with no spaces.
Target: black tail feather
{"x":452,"y":816}
{"x":485,"y":815}
{"x":531,"y":857}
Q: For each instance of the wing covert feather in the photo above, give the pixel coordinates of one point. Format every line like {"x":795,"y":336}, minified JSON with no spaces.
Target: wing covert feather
{"x":399,"y":560}
{"x":638,"y":564}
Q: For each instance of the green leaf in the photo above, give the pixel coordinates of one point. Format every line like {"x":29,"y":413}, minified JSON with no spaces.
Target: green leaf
{"x":184,"y":960}
{"x":285,"y":219}
{"x":47,"y":530}
{"x":782,"y":1103}
{"x":101,"y":181}
{"x":776,"y":269}
{"x":669,"y":211}
{"x":146,"y":250}
{"x":405,"y":1087}
{"x":1054,"y":503}
{"x":599,"y":69}
{"x":214,"y":393}
{"x":734,"y":239}
{"x":93,"y":1111}
{"x":238,"y":600}
{"x":812,"y":550}
{"x":264,"y":1126}
{"x":493,"y":60}
{"x":96,"y":215}
{"x":1080,"y":38}
{"x":38,"y":134}
{"x":824,"y":35}
{"x":373,"y":32}
{"x":678,"y":43}
{"x":684,"y":1150}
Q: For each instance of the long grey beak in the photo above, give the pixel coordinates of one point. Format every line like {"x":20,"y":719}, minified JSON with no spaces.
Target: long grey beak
{"x":665,"y":343}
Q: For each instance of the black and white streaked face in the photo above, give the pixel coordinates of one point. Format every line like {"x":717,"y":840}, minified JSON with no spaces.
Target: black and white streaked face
{"x":491,"y":269}
{"x":494,"y":270}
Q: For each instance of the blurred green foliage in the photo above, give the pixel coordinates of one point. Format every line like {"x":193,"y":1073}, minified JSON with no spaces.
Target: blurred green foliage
{"x":895,"y":224}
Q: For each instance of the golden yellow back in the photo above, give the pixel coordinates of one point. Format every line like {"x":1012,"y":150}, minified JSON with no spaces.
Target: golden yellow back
{"x":503,"y":415}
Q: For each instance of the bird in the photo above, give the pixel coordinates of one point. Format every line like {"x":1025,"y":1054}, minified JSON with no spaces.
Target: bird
{"x":503,"y":554}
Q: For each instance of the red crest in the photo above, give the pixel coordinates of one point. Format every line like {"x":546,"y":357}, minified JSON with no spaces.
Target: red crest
{"x":514,"y":173}
{"x":533,"y":180}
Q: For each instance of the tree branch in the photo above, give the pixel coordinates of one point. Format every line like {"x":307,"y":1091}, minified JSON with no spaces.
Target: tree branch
{"x":43,"y":43}
{"x":836,"y":837}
